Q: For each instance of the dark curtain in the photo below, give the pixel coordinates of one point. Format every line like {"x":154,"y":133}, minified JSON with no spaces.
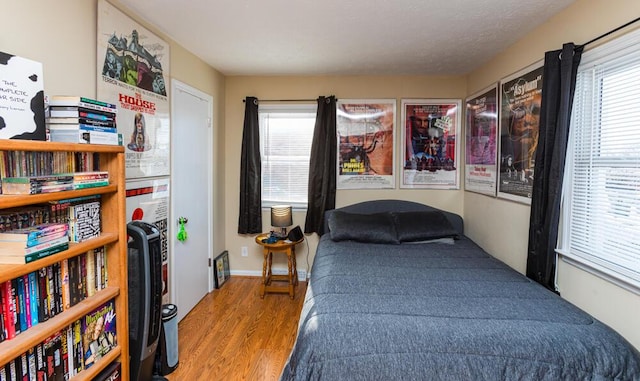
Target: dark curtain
{"x":250,"y":218}
{"x":322,"y":166}
{"x":558,"y":87}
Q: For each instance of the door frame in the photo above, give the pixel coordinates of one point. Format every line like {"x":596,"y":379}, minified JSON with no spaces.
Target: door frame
{"x":175,"y":87}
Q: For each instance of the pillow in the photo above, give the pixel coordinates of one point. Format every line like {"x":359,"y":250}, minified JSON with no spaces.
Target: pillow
{"x":371,"y":228}
{"x":423,"y":226}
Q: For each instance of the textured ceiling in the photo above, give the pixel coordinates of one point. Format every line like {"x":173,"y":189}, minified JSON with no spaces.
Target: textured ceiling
{"x":345,"y":37}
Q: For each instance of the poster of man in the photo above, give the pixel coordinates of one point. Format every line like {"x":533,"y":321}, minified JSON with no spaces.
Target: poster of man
{"x":431,"y":152}
{"x":366,"y":143}
{"x":482,"y":141}
{"x":520,"y":99}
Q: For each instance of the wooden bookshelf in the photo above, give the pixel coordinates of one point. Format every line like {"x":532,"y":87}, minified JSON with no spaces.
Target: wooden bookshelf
{"x":113,"y":237}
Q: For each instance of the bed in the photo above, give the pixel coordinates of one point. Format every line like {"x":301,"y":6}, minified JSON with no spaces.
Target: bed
{"x":397,"y":292}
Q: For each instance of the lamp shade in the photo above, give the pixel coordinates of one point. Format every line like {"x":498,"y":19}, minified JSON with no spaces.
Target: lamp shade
{"x":281,"y":216}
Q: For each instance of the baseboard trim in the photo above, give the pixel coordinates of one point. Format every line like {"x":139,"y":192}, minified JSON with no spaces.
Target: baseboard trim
{"x":302,"y":274}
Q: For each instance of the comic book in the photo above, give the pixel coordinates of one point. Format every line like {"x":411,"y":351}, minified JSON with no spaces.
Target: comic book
{"x":98,"y":333}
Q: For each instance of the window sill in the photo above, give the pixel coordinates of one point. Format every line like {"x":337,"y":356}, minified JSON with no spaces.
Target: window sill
{"x":602,"y":272}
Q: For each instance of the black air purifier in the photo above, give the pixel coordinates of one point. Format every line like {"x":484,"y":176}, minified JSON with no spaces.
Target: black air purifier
{"x":145,"y":297}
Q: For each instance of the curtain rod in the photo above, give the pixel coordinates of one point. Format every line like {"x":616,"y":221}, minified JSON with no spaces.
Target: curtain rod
{"x":284,"y":100}
{"x":610,"y":32}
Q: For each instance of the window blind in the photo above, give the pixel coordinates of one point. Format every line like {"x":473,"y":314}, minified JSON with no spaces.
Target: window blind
{"x":285,"y":137}
{"x":601,"y":206}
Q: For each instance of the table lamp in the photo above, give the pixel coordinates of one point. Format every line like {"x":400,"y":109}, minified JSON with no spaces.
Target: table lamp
{"x":281,"y":218}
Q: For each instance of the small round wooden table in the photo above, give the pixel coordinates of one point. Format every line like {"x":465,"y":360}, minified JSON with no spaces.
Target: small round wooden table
{"x":280,"y":246}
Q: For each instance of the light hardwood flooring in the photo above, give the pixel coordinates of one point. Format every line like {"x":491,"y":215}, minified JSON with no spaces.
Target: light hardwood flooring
{"x":233,"y":334}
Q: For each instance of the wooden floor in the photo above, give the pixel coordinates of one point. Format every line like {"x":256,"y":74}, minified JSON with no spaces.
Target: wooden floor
{"x":233,"y":334}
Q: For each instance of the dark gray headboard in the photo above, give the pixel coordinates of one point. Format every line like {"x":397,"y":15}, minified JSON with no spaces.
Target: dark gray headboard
{"x":377,"y":206}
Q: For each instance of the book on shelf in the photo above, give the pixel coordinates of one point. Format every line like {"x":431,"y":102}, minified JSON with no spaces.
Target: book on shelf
{"x":83,"y":133}
{"x":22,"y":100}
{"x":8,"y":310}
{"x":85,"y":219}
{"x":31,"y":257}
{"x":20,"y":303}
{"x":36,"y":184}
{"x":16,"y":248}
{"x":34,"y":235}
{"x":82,"y":180}
{"x":98,"y":333}
{"x":78,"y":112}
{"x":3,"y":330}
{"x":34,"y":297}
{"x":79,"y":101}
{"x":77,"y":122}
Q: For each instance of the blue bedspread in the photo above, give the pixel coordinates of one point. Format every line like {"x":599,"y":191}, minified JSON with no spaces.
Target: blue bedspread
{"x":442,"y":311}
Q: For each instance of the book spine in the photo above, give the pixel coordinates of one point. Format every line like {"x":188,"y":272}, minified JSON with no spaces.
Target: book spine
{"x":57,"y":293}
{"x":66,"y":303}
{"x":94,"y":116}
{"x":43,"y":301}
{"x":41,"y":370}
{"x":74,"y":281}
{"x":91,"y":185}
{"x":47,"y":238}
{"x":21,"y":307}
{"x":64,"y":353}
{"x":27,"y":300}
{"x":31,"y":363}
{"x":45,"y":253}
{"x":77,"y":347}
{"x":47,"y":245}
{"x":24,"y":367}
{"x":15,"y":307}
{"x":83,"y":276}
{"x":91,"y":272}
{"x":8,"y":310}
{"x":34,"y":297}
{"x":50,"y":291}
{"x":98,"y":103}
{"x":3,"y":329}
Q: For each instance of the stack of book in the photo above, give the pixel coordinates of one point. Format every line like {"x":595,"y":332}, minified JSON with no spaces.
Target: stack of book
{"x":92,"y":179}
{"x":75,"y":119}
{"x":26,"y":245}
{"x":37,"y":184}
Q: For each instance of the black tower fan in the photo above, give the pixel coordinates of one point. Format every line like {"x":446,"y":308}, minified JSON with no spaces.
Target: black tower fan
{"x":145,"y":297}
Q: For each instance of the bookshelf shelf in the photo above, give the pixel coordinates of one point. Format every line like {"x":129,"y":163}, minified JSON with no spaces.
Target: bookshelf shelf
{"x":11,"y":201}
{"x":8,"y":272}
{"x":89,"y":374}
{"x":113,"y":237}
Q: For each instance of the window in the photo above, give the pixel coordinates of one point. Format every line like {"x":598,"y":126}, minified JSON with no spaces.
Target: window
{"x":601,"y":205}
{"x":286,"y":132}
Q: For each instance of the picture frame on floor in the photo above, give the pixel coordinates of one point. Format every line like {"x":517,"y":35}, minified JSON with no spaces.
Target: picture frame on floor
{"x":221,"y":269}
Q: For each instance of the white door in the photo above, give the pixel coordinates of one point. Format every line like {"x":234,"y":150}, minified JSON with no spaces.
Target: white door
{"x":191,"y":198}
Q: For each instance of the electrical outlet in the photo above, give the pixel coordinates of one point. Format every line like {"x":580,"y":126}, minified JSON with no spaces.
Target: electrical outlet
{"x":245,"y":252}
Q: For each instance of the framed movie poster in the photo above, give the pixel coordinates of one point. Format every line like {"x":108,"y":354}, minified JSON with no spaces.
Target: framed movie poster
{"x":221,"y":269}
{"x":148,"y":201}
{"x":481,"y":142}
{"x":133,"y":67}
{"x":520,"y":97}
{"x":366,"y":149}
{"x":430,"y":155}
